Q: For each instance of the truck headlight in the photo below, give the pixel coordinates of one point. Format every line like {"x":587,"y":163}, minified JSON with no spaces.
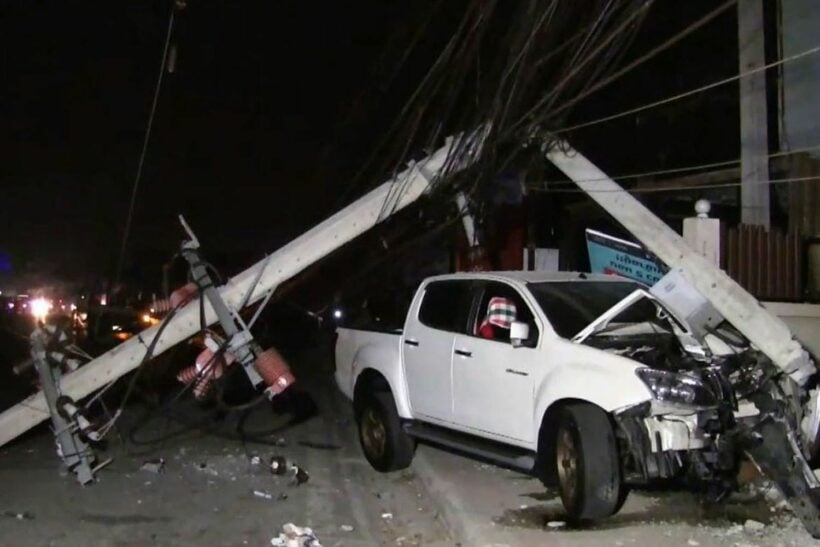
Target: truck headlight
{"x":676,"y":388}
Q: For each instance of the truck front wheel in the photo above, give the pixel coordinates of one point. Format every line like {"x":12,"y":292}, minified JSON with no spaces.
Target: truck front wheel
{"x":384,"y":443}
{"x":586,"y":458}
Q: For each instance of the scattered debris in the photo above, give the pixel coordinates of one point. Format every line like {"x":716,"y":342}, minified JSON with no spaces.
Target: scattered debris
{"x":753,"y":526}
{"x":278,"y":465}
{"x":25,"y":515}
{"x":300,"y":476}
{"x":153,"y":466}
{"x":263,"y":494}
{"x":281,"y":466}
{"x":202,"y":466}
{"x":693,"y":543}
{"x":256,"y":460}
{"x":387,"y":516}
{"x":346,"y":528}
{"x":320,"y":446}
{"x":295,"y":536}
{"x":556,"y":524}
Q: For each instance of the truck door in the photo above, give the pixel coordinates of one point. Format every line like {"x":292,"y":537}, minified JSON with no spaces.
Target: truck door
{"x":492,"y":380}
{"x":432,"y":322}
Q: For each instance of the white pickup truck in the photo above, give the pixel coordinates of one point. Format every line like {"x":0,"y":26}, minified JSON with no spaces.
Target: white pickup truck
{"x":586,"y":381}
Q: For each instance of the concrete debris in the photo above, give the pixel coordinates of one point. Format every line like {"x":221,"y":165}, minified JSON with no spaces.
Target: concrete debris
{"x":346,"y":528}
{"x":387,"y":516}
{"x":278,"y":465}
{"x":281,"y":466}
{"x":25,"y":515}
{"x":262,"y":494}
{"x":295,"y":536}
{"x":753,"y":526}
{"x":693,"y":543}
{"x":556,"y":524}
{"x":256,"y":460}
{"x":203,"y":467}
{"x":153,"y":466}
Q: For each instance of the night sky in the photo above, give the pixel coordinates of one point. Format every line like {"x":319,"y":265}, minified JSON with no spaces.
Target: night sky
{"x":271,"y":110}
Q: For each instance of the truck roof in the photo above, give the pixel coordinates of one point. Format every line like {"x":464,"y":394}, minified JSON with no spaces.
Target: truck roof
{"x":534,"y":277}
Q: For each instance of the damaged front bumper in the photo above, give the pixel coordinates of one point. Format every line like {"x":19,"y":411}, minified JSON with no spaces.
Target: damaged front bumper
{"x":661,"y":441}
{"x":704,"y":447}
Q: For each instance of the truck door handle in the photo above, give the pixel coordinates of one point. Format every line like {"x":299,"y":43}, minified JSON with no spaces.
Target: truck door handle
{"x":517,"y":372}
{"x":463,"y":353}
{"x":413,"y":343}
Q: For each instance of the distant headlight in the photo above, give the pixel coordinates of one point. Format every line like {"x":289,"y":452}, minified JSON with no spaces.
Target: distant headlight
{"x":676,"y":388}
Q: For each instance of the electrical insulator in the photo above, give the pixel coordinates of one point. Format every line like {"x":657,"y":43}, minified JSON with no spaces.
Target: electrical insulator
{"x":202,"y":378}
{"x":275,"y":371}
{"x":181,"y":296}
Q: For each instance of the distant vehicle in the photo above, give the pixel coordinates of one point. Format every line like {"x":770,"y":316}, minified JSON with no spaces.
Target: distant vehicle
{"x":586,"y":381}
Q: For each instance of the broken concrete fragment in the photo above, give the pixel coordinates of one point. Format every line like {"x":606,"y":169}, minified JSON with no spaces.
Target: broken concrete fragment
{"x":295,"y":536}
{"x":693,"y":543}
{"x":278,"y":465}
{"x":346,"y":528}
{"x":387,"y":516}
{"x":753,"y":526}
{"x":556,"y":524}
{"x":153,"y":466}
{"x":262,"y":494}
{"x":25,"y":515}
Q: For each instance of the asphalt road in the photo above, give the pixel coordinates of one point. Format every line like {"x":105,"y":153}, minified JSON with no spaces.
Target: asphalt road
{"x":205,"y":494}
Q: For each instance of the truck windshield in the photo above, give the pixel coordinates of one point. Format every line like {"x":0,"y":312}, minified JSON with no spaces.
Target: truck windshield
{"x":572,"y":305}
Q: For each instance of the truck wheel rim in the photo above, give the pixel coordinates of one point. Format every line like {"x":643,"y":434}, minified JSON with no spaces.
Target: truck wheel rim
{"x":567,"y":463}
{"x":373,"y":433}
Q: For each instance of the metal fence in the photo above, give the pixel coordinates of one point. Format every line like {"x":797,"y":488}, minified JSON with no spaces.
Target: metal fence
{"x":768,"y":264}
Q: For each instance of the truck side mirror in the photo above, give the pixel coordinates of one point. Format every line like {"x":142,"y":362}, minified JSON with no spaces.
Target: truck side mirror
{"x":519,"y":333}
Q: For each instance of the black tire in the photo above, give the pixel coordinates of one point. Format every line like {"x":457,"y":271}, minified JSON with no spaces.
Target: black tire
{"x":587,"y":462}
{"x":384,"y":443}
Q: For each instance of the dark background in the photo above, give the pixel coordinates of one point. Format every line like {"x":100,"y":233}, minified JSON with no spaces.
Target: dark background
{"x":271,"y":112}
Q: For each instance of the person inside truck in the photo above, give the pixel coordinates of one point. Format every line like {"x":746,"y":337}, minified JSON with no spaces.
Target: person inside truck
{"x":500,"y":315}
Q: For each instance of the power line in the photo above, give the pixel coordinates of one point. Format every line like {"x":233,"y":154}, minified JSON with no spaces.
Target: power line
{"x":651,"y":54}
{"x":690,"y":92}
{"x":634,"y":64}
{"x":673,"y":188}
{"x":684,"y":169}
{"x":141,"y":163}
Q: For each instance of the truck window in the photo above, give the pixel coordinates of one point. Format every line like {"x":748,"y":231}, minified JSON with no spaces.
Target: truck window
{"x":445,"y":305}
{"x":492,"y":292}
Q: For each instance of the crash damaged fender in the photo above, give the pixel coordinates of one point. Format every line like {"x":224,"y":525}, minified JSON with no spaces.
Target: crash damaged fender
{"x":588,"y":374}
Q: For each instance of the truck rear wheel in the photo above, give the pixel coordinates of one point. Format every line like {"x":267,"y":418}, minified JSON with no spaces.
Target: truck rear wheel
{"x":384,"y":443}
{"x":586,"y":458}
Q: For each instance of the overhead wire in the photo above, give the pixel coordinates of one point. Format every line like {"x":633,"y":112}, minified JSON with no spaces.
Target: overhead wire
{"x":688,"y":93}
{"x":143,"y":153}
{"x":673,"y":40}
{"x":677,"y":170}
{"x":690,"y":188}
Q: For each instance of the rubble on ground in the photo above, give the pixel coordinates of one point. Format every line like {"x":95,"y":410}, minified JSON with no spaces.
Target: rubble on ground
{"x":295,"y":536}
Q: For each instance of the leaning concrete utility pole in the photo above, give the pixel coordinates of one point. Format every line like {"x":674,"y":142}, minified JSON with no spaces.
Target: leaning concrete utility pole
{"x":258,"y":280}
{"x":766,"y":331}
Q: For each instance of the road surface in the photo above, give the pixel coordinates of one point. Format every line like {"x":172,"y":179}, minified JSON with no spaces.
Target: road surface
{"x":205,"y":494}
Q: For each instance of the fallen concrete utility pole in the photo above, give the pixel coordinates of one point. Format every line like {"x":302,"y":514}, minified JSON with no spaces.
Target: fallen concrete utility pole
{"x":766,"y":331}
{"x":262,"y":278}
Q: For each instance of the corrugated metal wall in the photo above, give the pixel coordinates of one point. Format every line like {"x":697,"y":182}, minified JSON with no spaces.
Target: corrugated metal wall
{"x":768,"y":264}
